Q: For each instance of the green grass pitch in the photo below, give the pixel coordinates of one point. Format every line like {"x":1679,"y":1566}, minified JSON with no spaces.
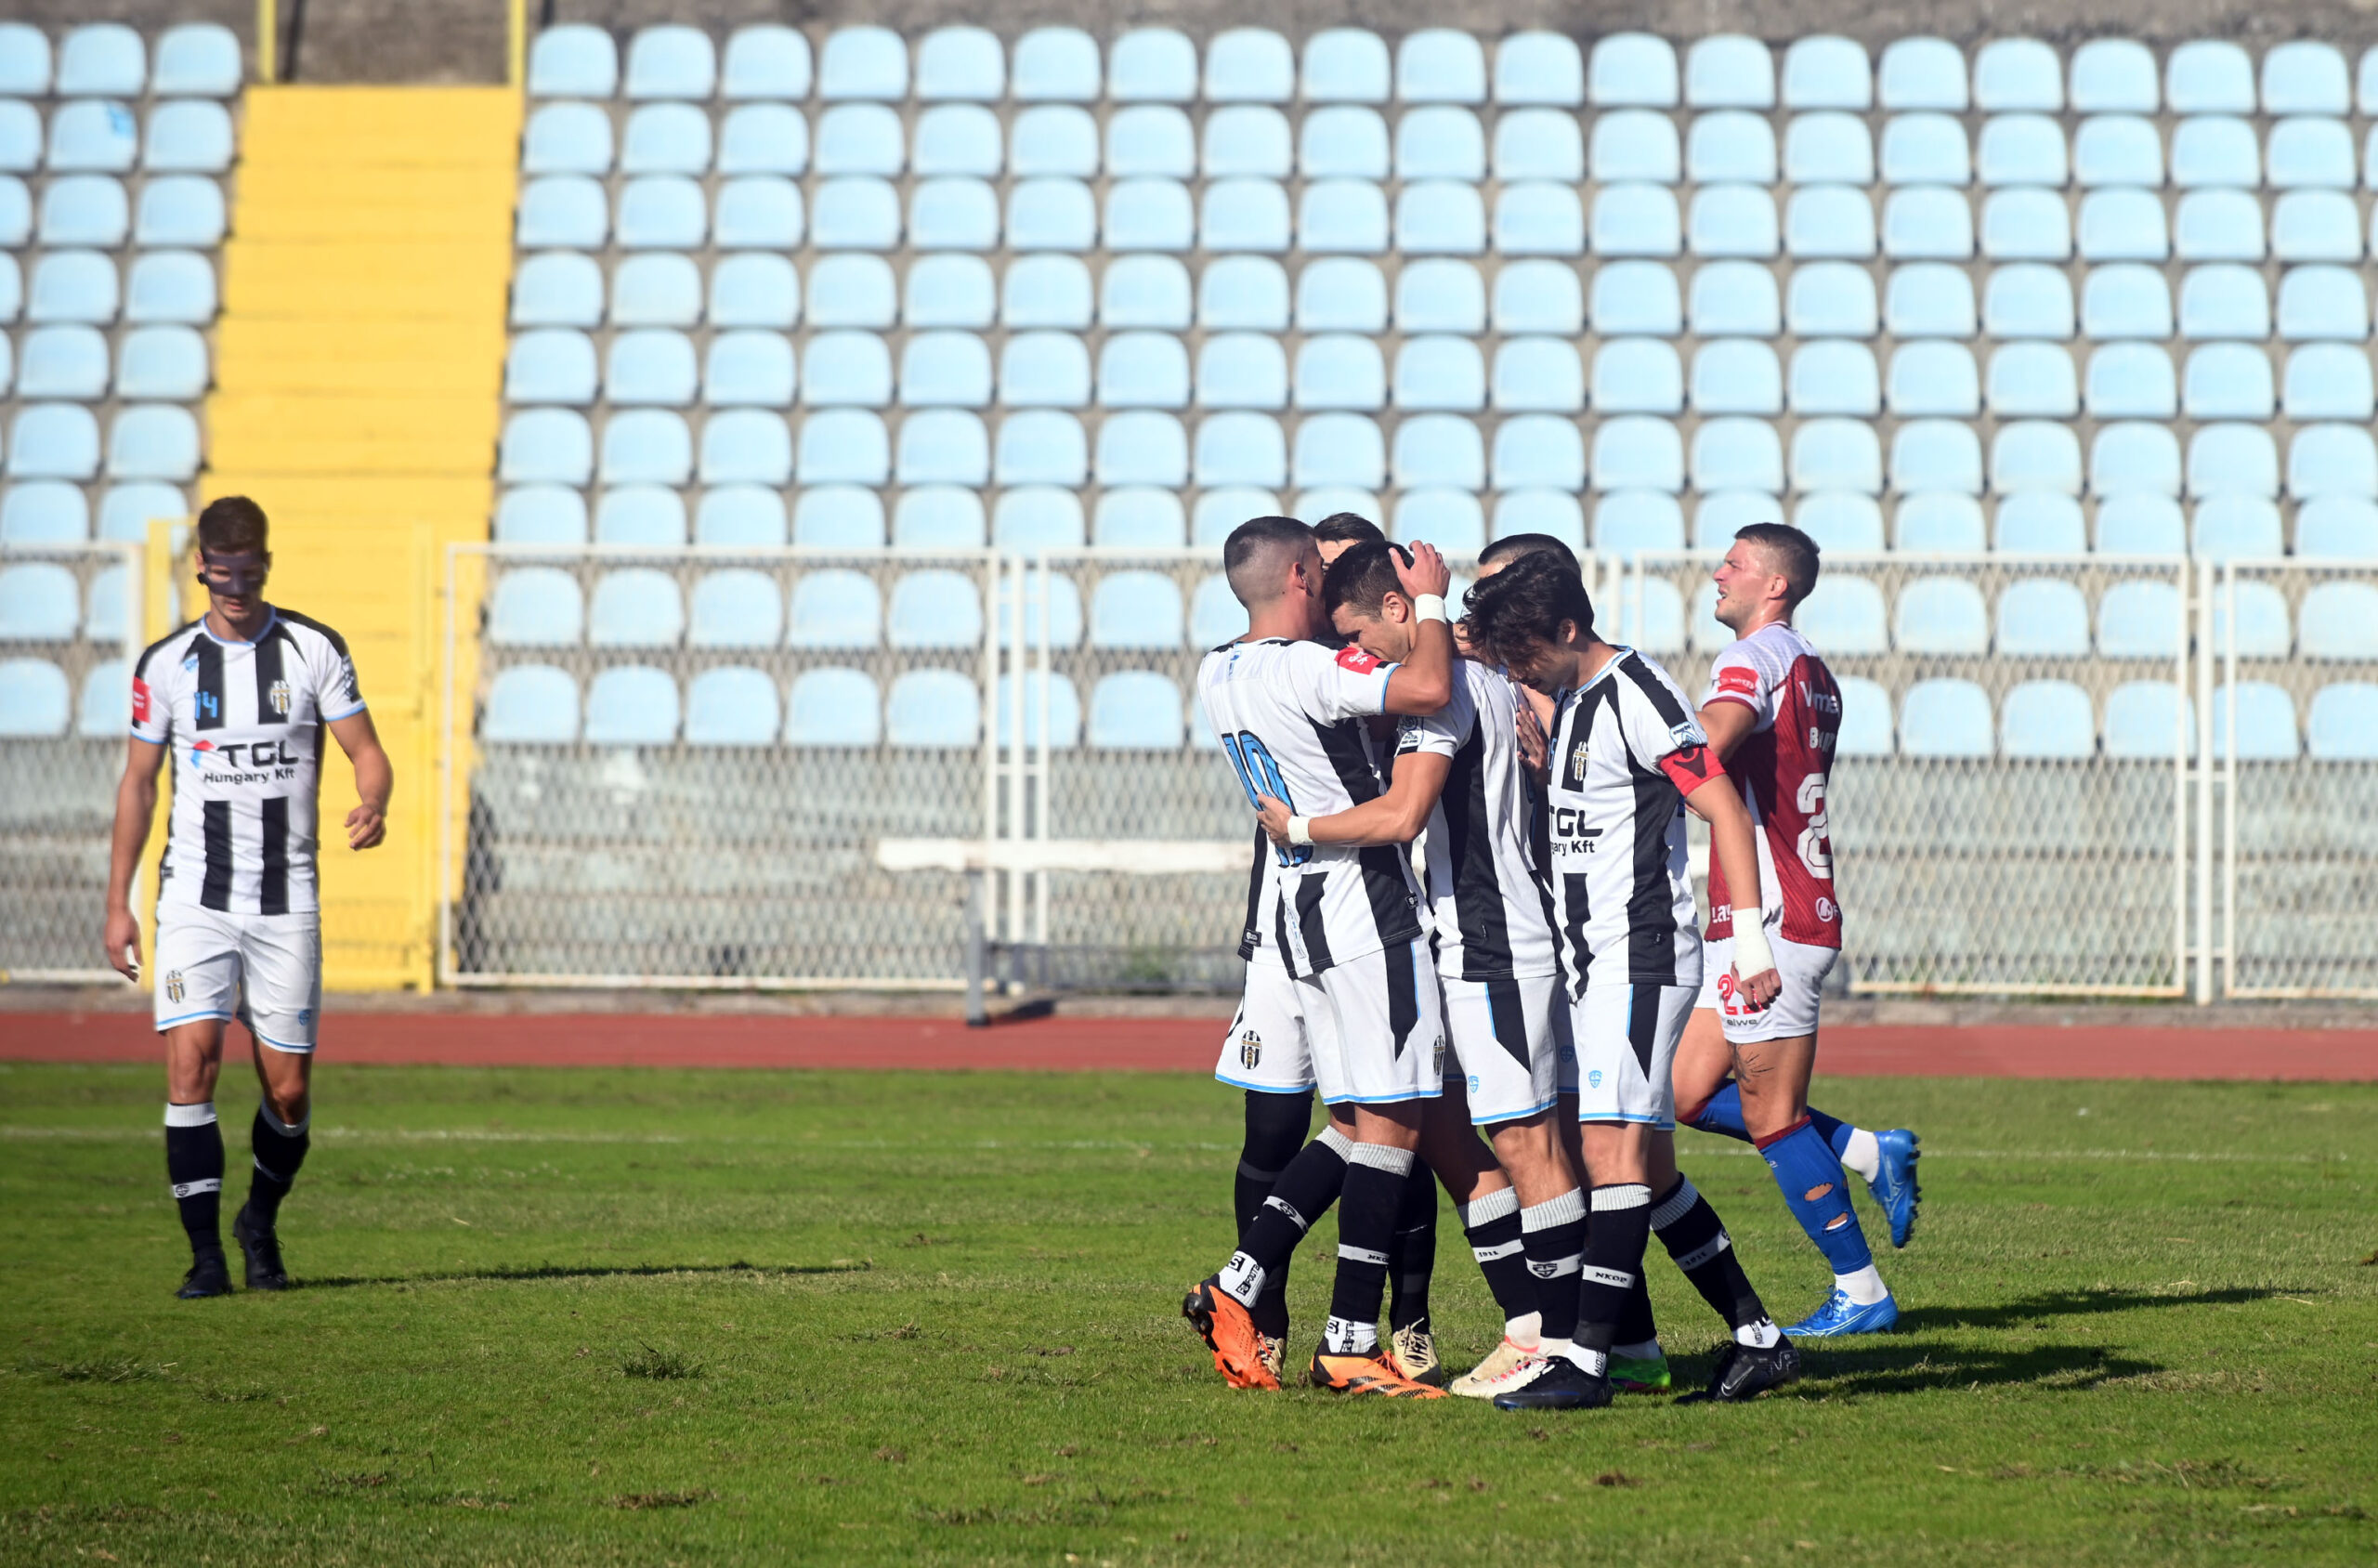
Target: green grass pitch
{"x":622,"y":1316}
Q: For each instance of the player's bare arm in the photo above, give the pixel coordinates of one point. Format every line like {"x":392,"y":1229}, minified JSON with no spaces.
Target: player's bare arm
{"x":375,"y":780}
{"x":1710,"y":795}
{"x":1423,"y":682}
{"x":1728,"y":724}
{"x":135,"y":807}
{"x":1396,"y":817}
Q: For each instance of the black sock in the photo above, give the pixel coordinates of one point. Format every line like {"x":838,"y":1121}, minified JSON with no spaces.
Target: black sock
{"x":1622,"y":1227}
{"x":1412,"y":1253}
{"x":1691,"y":1231}
{"x":1554,"y":1233}
{"x":1635,"y":1325}
{"x":194,"y":1166}
{"x":1492,"y":1223}
{"x":1276,"y":1125}
{"x":1302,"y":1195}
{"x":1375,"y":1179}
{"x":280,"y":1149}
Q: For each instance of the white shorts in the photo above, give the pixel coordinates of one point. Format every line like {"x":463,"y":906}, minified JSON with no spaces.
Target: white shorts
{"x":1794,"y":1012}
{"x":1267,"y":1047}
{"x":264,"y":970}
{"x":1627,"y":1040}
{"x":1383,"y":1039}
{"x":1505,"y":1054}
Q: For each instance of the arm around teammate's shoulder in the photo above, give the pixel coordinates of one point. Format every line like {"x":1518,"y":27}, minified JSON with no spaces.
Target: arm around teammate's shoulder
{"x":1423,"y":683}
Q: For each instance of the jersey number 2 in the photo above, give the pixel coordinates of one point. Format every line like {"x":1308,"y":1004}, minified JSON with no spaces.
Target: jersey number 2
{"x":1258,"y":773}
{"x":1815,"y":852}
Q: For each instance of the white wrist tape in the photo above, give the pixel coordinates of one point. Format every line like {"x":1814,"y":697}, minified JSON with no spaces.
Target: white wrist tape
{"x":1752,"y":954}
{"x":1300,"y":830}
{"x":1428,"y":606}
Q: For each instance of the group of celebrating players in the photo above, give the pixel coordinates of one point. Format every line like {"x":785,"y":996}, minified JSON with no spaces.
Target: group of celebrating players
{"x":1544,"y":975}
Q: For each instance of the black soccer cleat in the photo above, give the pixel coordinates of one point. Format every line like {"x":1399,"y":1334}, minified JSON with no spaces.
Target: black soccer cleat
{"x":261,"y":1248}
{"x":1746,"y":1371}
{"x":1562,"y":1385}
{"x":210,"y":1274}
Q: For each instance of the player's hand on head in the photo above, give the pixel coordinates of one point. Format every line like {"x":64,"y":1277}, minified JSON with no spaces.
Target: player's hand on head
{"x":1427,"y":573}
{"x":1759,"y":991}
{"x":123,"y":940}
{"x":1273,"y":814}
{"x":366,"y":825}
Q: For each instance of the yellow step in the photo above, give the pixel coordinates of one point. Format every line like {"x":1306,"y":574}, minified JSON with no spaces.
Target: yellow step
{"x":428,"y":280}
{"x":304,"y":420}
{"x":269,"y":187}
{"x":363,"y":127}
{"x":351,"y":501}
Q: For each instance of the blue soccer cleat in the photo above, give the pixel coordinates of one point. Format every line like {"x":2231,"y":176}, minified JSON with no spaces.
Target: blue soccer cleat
{"x":1895,"y":1189}
{"x":1841,"y":1315}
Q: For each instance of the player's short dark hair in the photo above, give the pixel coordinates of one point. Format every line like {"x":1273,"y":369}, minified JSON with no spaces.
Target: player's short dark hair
{"x":1511,"y":547}
{"x":1795,"y":552}
{"x":1347,"y":528}
{"x":1253,"y":543}
{"x":231,"y":525}
{"x":1364,"y":577}
{"x":1525,"y":603}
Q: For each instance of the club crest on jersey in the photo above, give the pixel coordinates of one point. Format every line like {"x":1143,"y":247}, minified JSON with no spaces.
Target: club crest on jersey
{"x":1437,"y":1070}
{"x":278,"y":695}
{"x":1250,"y":1050}
{"x":173,"y":985}
{"x":1575,"y":778}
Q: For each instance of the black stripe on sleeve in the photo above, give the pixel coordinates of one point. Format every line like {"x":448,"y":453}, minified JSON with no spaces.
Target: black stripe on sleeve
{"x":140,"y":670}
{"x":1663,"y":700}
{"x":273,"y":896}
{"x":215,"y":884}
{"x":206,"y":703}
{"x":351,"y":692}
{"x":268,"y":662}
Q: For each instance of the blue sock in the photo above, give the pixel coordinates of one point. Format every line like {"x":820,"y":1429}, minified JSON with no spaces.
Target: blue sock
{"x":1833,"y":1130}
{"x":1816,"y":1189}
{"x":1724,"y":1114}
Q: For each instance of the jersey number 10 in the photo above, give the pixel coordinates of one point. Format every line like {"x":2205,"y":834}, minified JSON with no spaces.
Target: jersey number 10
{"x":1258,"y":773}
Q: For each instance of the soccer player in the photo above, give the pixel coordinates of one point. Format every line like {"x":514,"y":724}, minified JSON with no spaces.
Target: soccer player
{"x":1287,"y":712}
{"x":240,"y":698}
{"x":1771,"y":713}
{"x":1341,"y":531}
{"x":1628,"y":762}
{"x":1458,"y":774}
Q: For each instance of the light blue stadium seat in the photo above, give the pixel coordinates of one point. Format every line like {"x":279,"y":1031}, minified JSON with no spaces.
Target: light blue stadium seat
{"x":562,"y":212}
{"x":1247,"y":140}
{"x":2026,"y":224}
{"x":1844,"y":615}
{"x":2021,"y":150}
{"x":656,"y":289}
{"x":2224,"y":301}
{"x":2018,"y":73}
{"x":1042,"y":446}
{"x":2141,"y":525}
{"x":1730,"y":147}
{"x":1538,"y":218}
{"x":559,"y":289}
{"x":1144,"y":447}
{"x":1927,"y":222}
{"x":1840,"y":520}
{"x":1038,"y":517}
{"x":1834,"y":378}
{"x":632,"y":705}
{"x":1826,"y":71}
{"x":1152,"y":65}
{"x":1137,"y":290}
{"x":1737,"y":455}
{"x":2237,"y":527}
{"x":197,"y":60}
{"x":2118,"y":149}
{"x":1250,"y":65}
{"x":92,"y":135}
{"x":1053,"y":291}
{"x":646,"y":447}
{"x":1633,"y":68}
{"x":1135,"y":370}
{"x":1063,"y":710}
{"x":1638,"y":452}
{"x":2218,"y":225}
{"x":25,"y":59}
{"x":2262,"y":622}
{"x":1153,"y":215}
{"x":2214,"y":149}
{"x":104,"y":711}
{"x":933,"y":709}
{"x":1638,"y":375}
{"x":1440,"y":217}
{"x":2042,"y":618}
{"x":1946,"y":718}
{"x":2114,"y":74}
{"x":2265,"y":722}
{"x":1540,"y":451}
{"x":1829,"y":221}
{"x":1540,"y":511}
{"x":2124,"y":225}
{"x":1629,"y":523}
{"x":846,"y":369}
{"x":1135,"y":710}
{"x":1738,"y":298}
{"x":838,"y":707}
{"x":1440,"y":65}
{"x":749,"y":369}
{"x":2305,"y":78}
{"x":2316,"y":226}
{"x":1343,"y":143}
{"x":1332,"y":450}
{"x":39,"y":603}
{"x":1215,"y":615}
{"x":1941,"y":522}
{"x":936,"y":609}
{"x":568,"y":139}
{"x":2141,"y":619}
{"x":154,"y":442}
{"x":764,"y":211}
{"x":2126,"y":300}
{"x":2342,"y":723}
{"x":1345,"y":294}
{"x":2339,"y":526}
{"x":1538,"y":144}
{"x":855,"y":213}
{"x":1721,"y":514}
{"x":1737,"y":375}
{"x":86,"y":210}
{"x":1135,"y":610}
{"x":2331,"y":459}
{"x":1635,"y":144}
{"x":1649,"y":614}
{"x":535,"y":607}
{"x":2049,"y":720}
{"x":2135,"y":458}
{"x":1934,"y":378}
{"x":1929,"y":300}
{"x":1151,"y":140}
{"x":574,"y":61}
{"x":1924,"y":149}
{"x":836,"y":607}
{"x":20,"y":139}
{"x":943,"y":447}
{"x":1139,"y":517}
{"x":16,"y":214}
{"x":737,"y":608}
{"x":1056,"y":64}
{"x":671,"y":62}
{"x":863,"y":62}
{"x":540,"y":514}
{"x":2033,"y":454}
{"x":834,"y":516}
{"x":69,"y":363}
{"x":1539,"y":68}
{"x":765,"y":62}
{"x":733,"y":705}
{"x":1440,"y":142}
{"x":33,"y":698}
{"x":951,"y":370}
{"x":647,"y":515}
{"x":1936,"y":455}
{"x":763,"y":139}
{"x":1836,"y":454}
{"x":164,"y":286}
{"x":764,"y":292}
{"x":2040,"y":523}
{"x":531,"y":704}
{"x":1246,"y":371}
{"x":962,"y":63}
{"x":1236,"y":215}
{"x":1865,"y":719}
{"x":1334,"y":371}
{"x":165,"y":363}
{"x":954,"y":291}
{"x":1730,"y":70}
{"x":546,"y":446}
{"x":53,"y":441}
{"x":1834,"y":299}
{"x":2227,"y":381}
{"x":1629,"y":297}
{"x":953,"y":139}
{"x":1538,"y":374}
{"x":1828,"y":149}
{"x":2338,"y":620}
{"x":2032,"y":380}
{"x":2028,"y":300}
{"x":1733,"y":220}
{"x":1450,"y":520}
{"x":76,"y":286}
{"x":635,"y":606}
{"x":2328,"y":381}
{"x":2149,"y":721}
{"x":1637,"y":220}
{"x":650,"y":365}
{"x":2310,"y":151}
{"x":1433,"y":371}
{"x":45,"y":512}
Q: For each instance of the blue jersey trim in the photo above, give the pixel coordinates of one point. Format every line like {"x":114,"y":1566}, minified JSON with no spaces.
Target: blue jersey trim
{"x":334,"y":718}
{"x":191,"y":1018}
{"x":1261,"y":1088}
{"x":1382,"y":1099}
{"x":137,"y":736}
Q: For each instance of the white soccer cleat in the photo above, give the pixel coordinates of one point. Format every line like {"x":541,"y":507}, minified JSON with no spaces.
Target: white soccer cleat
{"x":1506,"y":1366}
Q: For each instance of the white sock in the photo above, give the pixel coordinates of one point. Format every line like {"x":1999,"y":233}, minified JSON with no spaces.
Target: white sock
{"x":1865,"y":1157}
{"x":1242,"y":1279}
{"x":1647,"y":1350}
{"x":1525,"y":1330}
{"x":1341,"y":1337}
{"x":1864,"y":1288}
{"x":1594,"y":1363}
{"x":1549,"y":1346}
{"x":1762,"y":1335}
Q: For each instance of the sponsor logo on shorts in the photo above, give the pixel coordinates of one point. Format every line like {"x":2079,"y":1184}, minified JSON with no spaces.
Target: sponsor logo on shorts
{"x":1250,"y":1048}
{"x":306,"y":1020}
{"x":173,"y":985}
{"x":1474,"y":1083}
{"x":1593,"y":1079}
{"x":1827,"y":910}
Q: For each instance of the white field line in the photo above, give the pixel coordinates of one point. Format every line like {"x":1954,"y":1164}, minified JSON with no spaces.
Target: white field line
{"x":487,"y":1135}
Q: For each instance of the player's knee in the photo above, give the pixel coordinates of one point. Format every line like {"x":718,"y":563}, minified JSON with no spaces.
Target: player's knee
{"x":289,"y":1107}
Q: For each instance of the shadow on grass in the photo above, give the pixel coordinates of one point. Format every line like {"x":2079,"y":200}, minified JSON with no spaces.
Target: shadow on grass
{"x":2071,"y":1304}
{"x":557,"y":1271}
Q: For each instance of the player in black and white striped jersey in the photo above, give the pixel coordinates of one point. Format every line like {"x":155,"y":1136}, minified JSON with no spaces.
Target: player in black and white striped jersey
{"x":239,"y":698}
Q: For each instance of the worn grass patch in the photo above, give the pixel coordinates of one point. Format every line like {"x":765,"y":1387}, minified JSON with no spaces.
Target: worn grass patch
{"x":630,"y":1317}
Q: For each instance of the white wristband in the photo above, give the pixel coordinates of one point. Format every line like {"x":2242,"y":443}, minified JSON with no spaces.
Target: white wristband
{"x":1301,"y":830}
{"x":1428,"y":606}
{"x":1752,"y":954}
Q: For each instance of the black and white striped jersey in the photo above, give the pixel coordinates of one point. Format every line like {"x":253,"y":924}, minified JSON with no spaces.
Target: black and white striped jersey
{"x":1289,"y":718}
{"x":245,"y":722}
{"x":1262,"y":894}
{"x":1625,"y":748}
{"x":1486,"y":899}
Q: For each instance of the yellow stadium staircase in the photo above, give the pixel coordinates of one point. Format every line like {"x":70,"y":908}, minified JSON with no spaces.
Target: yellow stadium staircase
{"x":358,"y":362}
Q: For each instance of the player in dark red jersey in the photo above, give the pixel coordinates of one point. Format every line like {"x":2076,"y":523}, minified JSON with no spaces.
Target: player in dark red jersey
{"x":1772,"y":712}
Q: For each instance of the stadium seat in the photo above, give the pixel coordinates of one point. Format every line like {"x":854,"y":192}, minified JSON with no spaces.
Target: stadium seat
{"x":1055,"y":140}
{"x":1053,"y":291}
{"x":641,"y":514}
{"x":1924,"y":149}
{"x":841,"y":708}
{"x":1633,"y":69}
{"x":45,"y":512}
{"x":2125,"y":300}
{"x":1635,"y":220}
{"x":2122,"y":225}
{"x":2021,"y":150}
{"x":1334,"y":371}
{"x":1538,"y":218}
{"x":2032,"y":380}
{"x":1538,"y":374}
{"x":650,"y":365}
{"x":1344,"y":294}
{"x":1035,"y":517}
{"x":836,"y":607}
{"x":1151,"y":142}
{"x":1941,"y":614}
{"x":1946,"y":718}
{"x":2228,"y":458}
{"x":2224,"y":301}
{"x":1737,"y":375}
{"x":864,"y":62}
{"x":2342,"y":723}
{"x":848,"y":291}
{"x":25,"y":59}
{"x":2208,"y":77}
{"x":1826,"y":299}
{"x":20,"y":138}
{"x":2035,"y":455}
{"x":953,"y":370}
{"x":1538,"y":144}
{"x":1635,"y":144}
{"x":943,"y":447}
{"x":1829,"y":221}
{"x":1142,"y":215}
{"x":671,"y":62}
{"x":1250,"y":65}
{"x":86,"y":210}
{"x":1135,"y":610}
{"x":2214,"y":149}
{"x":635,"y":606}
{"x":2114,"y":74}
{"x":2026,"y":224}
{"x":2132,"y":381}
{"x":67,"y":361}
{"x":2308,"y":226}
{"x":1629,"y":523}
{"x":1650,"y":615}
{"x":2338,"y":620}
{"x":1934,"y":378}
{"x":531,"y":704}
{"x":53,"y":441}
{"x":2218,"y":225}
{"x":1734,"y":298}
{"x":104,"y":711}
{"x":1540,"y":511}
{"x":34,"y":699}
{"x":1139,"y":518}
{"x":1836,"y":454}
{"x":1215,"y":615}
{"x":1244,"y":293}
{"x":1733,"y":220}
{"x":1144,"y":447}
{"x":1451,"y":519}
{"x":78,"y":286}
{"x":15,"y":215}
{"x":2305,"y":78}
{"x":839,"y":516}
{"x":1638,"y":375}
{"x":2328,"y":381}
{"x":562,"y":289}
{"x":733,"y":705}
{"x":2048,"y":720}
{"x":856,"y":212}
{"x":165,"y":363}
{"x":656,"y":289}
{"x":1730,"y":70}
{"x":1828,"y":149}
{"x":2310,"y":151}
{"x":1730,"y":146}
{"x":1440,"y":65}
{"x":1929,"y":300}
{"x":1542,"y":452}
{"x":574,"y":61}
{"x":2265,"y":718}
{"x":1922,"y":74}
{"x":662,"y":138}
{"x":765,"y":62}
{"x":562,"y":212}
{"x":1936,"y":455}
{"x":846,"y":369}
{"x":165,"y":286}
{"x":1638,"y":452}
{"x":1432,"y":373}
{"x":93,"y":136}
{"x":664,"y":211}
{"x":951,"y":291}
{"x":1629,"y":297}
{"x":934,"y":609}
{"x":632,"y":705}
{"x":1844,"y":615}
{"x":2237,"y":527}
{"x":2263,"y":630}
{"x":1737,"y":455}
{"x":1135,"y":710}
{"x":763,"y":291}
{"x":2043,"y":618}
{"x":736,"y":607}
{"x":764,"y":211}
{"x":2332,"y":460}
{"x":1333,"y":450}
{"x":2028,"y":300}
{"x":1152,"y":65}
{"x":1247,"y":140}
{"x":39,"y":603}
{"x":535,"y":607}
{"x":2118,"y":149}
{"x":1063,"y":710}
{"x":1137,"y":370}
{"x":749,"y":369}
{"x":2334,"y":526}
{"x":1343,"y":143}
{"x":1439,"y":217}
{"x":2141,"y":525}
{"x":1826,"y":71}
{"x":1440,"y":142}
{"x":1834,"y":378}
{"x":2018,"y":73}
{"x":540,"y":514}
{"x":154,"y":442}
{"x":960,"y":62}
{"x":843,"y":445}
{"x":1539,"y":68}
{"x":197,"y":60}
{"x":2149,"y":721}
{"x":2135,"y":458}
{"x":1941,"y":522}
{"x":766,"y":139}
{"x":2141,"y":619}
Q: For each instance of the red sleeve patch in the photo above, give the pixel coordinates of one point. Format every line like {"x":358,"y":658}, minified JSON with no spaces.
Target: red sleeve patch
{"x":1354,"y":659}
{"x":140,"y":701}
{"x":1690,"y":766}
{"x":1738,"y":678}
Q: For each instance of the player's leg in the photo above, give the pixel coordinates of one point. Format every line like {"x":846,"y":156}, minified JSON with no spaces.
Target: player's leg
{"x":1761,"y":1357}
{"x":1637,"y":1364}
{"x":1489,"y":1207}
{"x":196,"y":977}
{"x":281,"y":960}
{"x":1266,"y":1054}
{"x":1412,"y":1265}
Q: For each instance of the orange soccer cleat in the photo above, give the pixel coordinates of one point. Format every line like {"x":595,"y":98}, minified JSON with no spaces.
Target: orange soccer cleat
{"x":1230,"y":1333}
{"x":1372,"y":1374}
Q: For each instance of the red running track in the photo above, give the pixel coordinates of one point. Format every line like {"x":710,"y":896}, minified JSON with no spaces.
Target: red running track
{"x":1167,"y":1045}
